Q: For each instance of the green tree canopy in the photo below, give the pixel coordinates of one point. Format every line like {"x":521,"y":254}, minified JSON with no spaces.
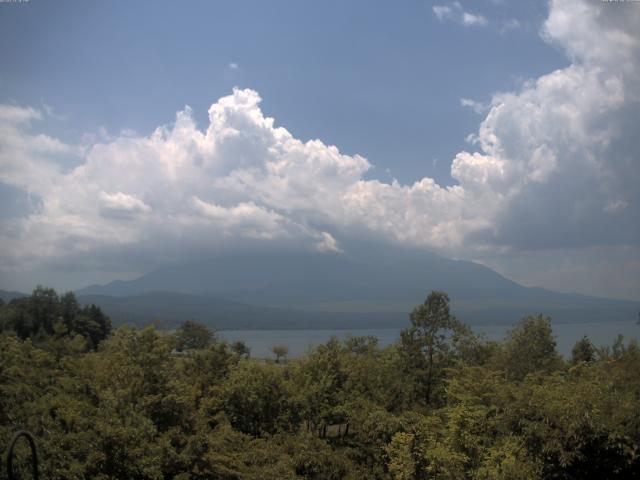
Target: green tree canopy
{"x":583,"y":351}
{"x":530,"y":347}
{"x":280,"y":351}
{"x":193,"y":336}
{"x":44,"y":314}
{"x":429,"y":342}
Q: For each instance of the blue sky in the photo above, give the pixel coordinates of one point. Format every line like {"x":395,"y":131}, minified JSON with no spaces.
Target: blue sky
{"x":407,"y":85}
{"x":382,"y":79}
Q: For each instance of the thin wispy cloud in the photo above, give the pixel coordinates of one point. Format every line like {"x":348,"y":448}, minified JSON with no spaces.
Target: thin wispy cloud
{"x":510,"y":24}
{"x":455,"y":13}
{"x":50,"y":112}
{"x":473,"y":19}
{"x":234,"y":66}
{"x":477,"y":107}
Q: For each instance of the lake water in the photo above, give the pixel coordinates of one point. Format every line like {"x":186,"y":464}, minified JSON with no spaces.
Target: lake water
{"x":300,"y":341}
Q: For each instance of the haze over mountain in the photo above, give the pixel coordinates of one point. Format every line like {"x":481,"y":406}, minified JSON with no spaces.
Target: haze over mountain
{"x":315,"y":290}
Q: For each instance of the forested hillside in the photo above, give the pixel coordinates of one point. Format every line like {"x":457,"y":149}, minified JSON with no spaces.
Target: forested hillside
{"x":441,"y":403}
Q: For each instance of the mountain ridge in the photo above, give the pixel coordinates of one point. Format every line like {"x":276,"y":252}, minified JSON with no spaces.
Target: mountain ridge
{"x":328,"y":287}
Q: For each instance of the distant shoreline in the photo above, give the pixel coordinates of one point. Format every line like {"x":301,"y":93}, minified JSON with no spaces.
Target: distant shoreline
{"x":298,"y":340}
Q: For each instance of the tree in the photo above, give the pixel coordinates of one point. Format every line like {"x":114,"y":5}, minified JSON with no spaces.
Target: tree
{"x":320,"y":378}
{"x":44,"y":309}
{"x":255,"y":398}
{"x":583,"y":351}
{"x":241,"y":349}
{"x":528,"y":348}
{"x":361,"y":344}
{"x":44,"y":314}
{"x":280,"y":351}
{"x":33,"y":315}
{"x":193,"y":336}
{"x":402,"y":465}
{"x":429,"y":341}
{"x":92,"y":324}
{"x":69,"y":309}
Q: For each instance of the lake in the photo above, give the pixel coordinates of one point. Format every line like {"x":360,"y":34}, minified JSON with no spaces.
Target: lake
{"x":300,"y":341}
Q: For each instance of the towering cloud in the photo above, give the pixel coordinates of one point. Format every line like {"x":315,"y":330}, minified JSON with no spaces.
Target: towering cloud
{"x":560,"y":152}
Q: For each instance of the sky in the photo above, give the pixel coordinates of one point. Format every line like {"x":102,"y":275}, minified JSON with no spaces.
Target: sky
{"x":135,"y":134}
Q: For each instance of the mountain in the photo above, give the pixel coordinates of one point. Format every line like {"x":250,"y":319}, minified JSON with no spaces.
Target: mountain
{"x":170,"y":309}
{"x":304,"y":278}
{"x":7,"y":296}
{"x":313,"y":290}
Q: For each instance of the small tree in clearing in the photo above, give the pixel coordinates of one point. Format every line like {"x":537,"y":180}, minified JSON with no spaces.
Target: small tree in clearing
{"x":280,"y":351}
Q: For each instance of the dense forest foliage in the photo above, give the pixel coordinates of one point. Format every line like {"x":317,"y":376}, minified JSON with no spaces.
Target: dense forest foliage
{"x":441,"y":403}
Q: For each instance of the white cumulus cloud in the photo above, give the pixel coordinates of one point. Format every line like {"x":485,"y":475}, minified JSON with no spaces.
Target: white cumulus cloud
{"x":556,"y":165}
{"x":122,"y":205}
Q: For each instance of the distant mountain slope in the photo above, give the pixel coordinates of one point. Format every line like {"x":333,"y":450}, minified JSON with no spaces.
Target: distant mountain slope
{"x":300,"y":278}
{"x":370,"y":281}
{"x":170,"y":309}
{"x":7,"y":296}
